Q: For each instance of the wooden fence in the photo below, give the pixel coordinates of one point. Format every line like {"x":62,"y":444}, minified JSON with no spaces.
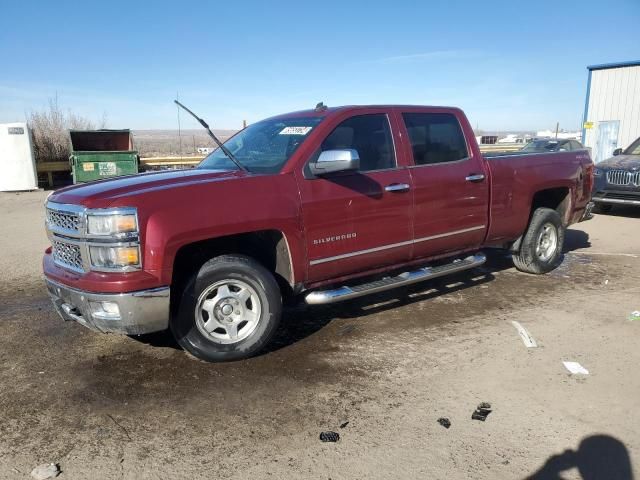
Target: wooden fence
{"x":158,"y":162}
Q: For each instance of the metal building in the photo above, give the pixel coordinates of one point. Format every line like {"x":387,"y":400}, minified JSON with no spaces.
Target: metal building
{"x":612,"y":108}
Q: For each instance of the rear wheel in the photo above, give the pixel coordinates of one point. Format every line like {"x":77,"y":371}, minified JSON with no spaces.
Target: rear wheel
{"x":541,"y":247}
{"x":229,"y":310}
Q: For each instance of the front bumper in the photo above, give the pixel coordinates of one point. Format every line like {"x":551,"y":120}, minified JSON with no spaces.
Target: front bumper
{"x":140,"y":312}
{"x":617,"y":197}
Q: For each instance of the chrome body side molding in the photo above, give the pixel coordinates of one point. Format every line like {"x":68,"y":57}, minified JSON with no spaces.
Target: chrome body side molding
{"x":394,"y":245}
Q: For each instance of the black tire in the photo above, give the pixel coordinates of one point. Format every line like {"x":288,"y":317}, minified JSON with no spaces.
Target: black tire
{"x":602,"y":208}
{"x":527,"y":258}
{"x":188,"y":329}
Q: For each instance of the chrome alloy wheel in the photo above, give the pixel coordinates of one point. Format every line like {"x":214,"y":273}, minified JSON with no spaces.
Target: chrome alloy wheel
{"x":228,"y":311}
{"x":547,"y":242}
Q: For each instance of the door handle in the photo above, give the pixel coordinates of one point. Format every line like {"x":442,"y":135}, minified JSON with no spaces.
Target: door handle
{"x":475,"y":177}
{"x":397,"y":187}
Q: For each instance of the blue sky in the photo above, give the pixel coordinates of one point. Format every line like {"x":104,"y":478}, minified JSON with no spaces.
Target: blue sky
{"x":509,"y":64}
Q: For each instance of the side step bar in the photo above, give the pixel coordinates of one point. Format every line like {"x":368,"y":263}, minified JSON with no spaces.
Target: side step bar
{"x":319,"y":297}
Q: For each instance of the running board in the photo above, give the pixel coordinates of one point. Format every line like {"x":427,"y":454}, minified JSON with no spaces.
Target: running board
{"x":319,"y":297}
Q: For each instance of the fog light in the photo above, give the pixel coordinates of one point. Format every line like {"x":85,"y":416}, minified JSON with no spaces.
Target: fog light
{"x":114,"y":257}
{"x":105,"y":310}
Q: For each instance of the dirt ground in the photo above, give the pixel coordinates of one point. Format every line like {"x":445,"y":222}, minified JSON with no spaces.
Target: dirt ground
{"x":106,"y":406}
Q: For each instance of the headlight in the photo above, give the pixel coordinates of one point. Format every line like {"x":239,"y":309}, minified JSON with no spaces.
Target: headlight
{"x":111,"y":224}
{"x":597,"y":172}
{"x":114,"y":258}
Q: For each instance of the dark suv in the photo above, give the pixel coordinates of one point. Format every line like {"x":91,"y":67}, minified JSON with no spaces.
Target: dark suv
{"x":617,"y":179}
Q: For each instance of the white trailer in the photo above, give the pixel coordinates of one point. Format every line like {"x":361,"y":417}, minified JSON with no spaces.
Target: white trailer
{"x":17,"y":165}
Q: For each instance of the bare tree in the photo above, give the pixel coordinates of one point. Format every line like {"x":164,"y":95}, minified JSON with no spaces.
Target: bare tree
{"x":50,"y":129}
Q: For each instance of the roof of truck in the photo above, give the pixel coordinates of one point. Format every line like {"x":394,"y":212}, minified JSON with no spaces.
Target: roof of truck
{"x":325,"y":111}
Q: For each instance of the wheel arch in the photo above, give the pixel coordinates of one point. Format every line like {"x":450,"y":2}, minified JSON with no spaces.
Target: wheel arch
{"x":558,"y":198}
{"x":268,"y":247}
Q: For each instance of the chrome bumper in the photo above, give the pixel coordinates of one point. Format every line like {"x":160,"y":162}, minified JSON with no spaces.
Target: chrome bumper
{"x":140,"y":312}
{"x":617,"y":201}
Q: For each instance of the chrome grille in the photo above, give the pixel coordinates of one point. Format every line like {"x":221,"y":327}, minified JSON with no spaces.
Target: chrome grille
{"x":65,"y":220}
{"x":67,"y":255}
{"x":623,"y":178}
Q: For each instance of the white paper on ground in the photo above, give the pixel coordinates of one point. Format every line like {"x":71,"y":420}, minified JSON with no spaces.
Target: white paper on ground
{"x":575,"y":367}
{"x":527,"y":339}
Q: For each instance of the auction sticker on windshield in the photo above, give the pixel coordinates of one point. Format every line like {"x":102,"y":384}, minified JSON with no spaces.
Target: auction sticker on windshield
{"x":295,"y":130}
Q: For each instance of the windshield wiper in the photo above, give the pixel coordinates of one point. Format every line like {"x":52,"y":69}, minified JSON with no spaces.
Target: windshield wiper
{"x":224,"y":149}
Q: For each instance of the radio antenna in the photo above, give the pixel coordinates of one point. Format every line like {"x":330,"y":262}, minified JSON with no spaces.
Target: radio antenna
{"x":224,"y":149}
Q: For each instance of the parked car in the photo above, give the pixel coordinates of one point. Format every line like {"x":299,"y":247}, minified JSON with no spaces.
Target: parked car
{"x":552,"y":145}
{"x":324,"y":205}
{"x":617,"y":179}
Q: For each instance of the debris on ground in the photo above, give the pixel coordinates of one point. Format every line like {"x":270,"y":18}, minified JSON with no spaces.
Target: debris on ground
{"x":635,"y":315}
{"x":445,"y":422}
{"x":576,"y":368}
{"x":481,"y":412}
{"x":342,"y":425}
{"x":48,"y":470}
{"x":329,"y":436}
{"x":526,"y":337}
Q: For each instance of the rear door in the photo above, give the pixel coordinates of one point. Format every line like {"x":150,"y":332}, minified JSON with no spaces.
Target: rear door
{"x":357,"y":221}
{"x":451,"y":188}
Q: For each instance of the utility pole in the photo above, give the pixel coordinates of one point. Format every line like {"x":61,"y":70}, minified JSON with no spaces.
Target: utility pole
{"x":557,"y":127}
{"x":244,"y":124}
{"x":179,"y":128}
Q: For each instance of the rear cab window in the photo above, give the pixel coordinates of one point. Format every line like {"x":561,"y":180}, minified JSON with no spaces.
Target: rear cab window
{"x":435,"y":138}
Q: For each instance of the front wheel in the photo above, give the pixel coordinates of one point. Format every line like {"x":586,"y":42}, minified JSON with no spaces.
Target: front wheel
{"x":229,"y":310}
{"x":541,"y":247}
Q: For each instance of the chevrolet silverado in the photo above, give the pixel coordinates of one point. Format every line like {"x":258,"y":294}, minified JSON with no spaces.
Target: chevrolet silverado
{"x":327,"y":204}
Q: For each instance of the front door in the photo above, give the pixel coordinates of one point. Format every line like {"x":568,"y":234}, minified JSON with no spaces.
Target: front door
{"x":607,"y":140}
{"x":451,"y":188}
{"x":357,"y":221}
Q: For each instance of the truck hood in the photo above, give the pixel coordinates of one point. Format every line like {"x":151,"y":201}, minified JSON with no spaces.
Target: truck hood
{"x":104,"y":193}
{"x":623,"y":162}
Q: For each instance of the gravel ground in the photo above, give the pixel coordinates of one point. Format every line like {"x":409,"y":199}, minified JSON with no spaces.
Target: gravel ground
{"x":105,"y":406}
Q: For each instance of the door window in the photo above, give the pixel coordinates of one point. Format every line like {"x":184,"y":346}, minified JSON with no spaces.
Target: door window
{"x":435,"y":138}
{"x":370,"y":136}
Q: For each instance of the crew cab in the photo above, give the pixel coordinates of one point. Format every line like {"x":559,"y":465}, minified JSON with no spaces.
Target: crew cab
{"x":324,"y":205}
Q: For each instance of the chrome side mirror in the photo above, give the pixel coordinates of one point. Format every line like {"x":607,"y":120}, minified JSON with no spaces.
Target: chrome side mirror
{"x":332,"y":161}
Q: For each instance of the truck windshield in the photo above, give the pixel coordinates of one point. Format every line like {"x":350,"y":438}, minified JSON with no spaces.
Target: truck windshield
{"x":263,"y":147}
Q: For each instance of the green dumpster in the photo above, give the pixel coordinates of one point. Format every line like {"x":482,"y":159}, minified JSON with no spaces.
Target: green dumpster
{"x":98,"y":154}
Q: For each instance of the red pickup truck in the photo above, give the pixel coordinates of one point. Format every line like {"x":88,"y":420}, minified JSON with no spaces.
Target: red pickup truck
{"x":326,"y":204}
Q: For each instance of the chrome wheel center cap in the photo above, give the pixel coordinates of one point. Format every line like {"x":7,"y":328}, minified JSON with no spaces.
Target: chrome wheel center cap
{"x":227,"y":309}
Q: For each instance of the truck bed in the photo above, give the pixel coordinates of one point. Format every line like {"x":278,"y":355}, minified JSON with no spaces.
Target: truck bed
{"x":516,"y":177}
